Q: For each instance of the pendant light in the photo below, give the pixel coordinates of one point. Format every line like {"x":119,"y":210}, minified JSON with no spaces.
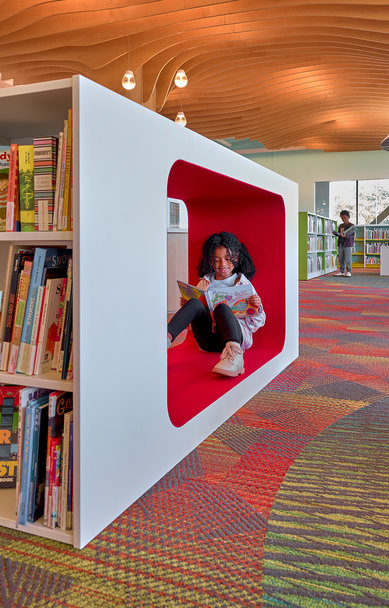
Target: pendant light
{"x":180,"y":119}
{"x":181,"y":79}
{"x":128,"y":80}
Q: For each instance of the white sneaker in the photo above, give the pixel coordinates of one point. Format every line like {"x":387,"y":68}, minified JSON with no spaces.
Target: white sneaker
{"x":231,"y":361}
{"x":347,"y":274}
{"x":339,"y":274}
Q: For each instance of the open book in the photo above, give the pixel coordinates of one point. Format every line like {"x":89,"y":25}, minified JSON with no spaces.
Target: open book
{"x":236,"y":297}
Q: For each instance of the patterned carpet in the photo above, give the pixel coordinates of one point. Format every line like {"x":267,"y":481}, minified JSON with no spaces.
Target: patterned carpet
{"x":311,"y":445}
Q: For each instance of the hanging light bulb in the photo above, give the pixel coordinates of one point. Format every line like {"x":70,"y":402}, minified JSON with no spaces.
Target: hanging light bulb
{"x":181,"y":79}
{"x":128,"y":80}
{"x":180,"y":119}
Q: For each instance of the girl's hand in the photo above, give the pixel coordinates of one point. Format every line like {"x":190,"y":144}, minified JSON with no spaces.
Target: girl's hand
{"x":255,"y":301}
{"x":182,"y":301}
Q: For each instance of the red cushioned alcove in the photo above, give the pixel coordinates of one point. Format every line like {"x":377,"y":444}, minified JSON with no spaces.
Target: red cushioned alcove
{"x":216,"y":202}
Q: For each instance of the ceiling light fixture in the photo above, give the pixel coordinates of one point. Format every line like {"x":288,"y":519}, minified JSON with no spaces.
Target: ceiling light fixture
{"x":128,"y":80}
{"x":181,"y":79}
{"x":180,"y":119}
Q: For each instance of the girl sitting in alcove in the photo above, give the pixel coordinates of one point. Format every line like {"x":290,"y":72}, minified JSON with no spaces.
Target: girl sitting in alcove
{"x":224,"y":263}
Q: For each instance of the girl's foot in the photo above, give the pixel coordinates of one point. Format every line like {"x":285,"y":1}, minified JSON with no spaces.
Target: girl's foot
{"x":231,"y":361}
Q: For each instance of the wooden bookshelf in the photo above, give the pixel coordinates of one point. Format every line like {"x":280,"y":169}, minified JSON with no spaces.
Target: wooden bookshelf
{"x":317,"y":245}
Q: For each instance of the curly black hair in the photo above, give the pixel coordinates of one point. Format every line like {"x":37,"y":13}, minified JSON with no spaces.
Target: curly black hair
{"x":238,"y":253}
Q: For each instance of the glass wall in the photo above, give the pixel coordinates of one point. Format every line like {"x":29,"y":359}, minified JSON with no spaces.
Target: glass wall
{"x":366,"y":200}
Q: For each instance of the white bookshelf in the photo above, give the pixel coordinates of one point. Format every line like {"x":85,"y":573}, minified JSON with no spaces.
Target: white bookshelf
{"x":124,"y":440}
{"x":26,"y":112}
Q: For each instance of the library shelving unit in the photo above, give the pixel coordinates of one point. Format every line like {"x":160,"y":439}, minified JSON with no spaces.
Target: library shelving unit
{"x":375,"y":235}
{"x":26,"y":112}
{"x":317,"y":245}
{"x":359,"y":248}
{"x":125,"y":439}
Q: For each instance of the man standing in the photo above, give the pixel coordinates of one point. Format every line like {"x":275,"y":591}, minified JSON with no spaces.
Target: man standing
{"x":346,"y":234}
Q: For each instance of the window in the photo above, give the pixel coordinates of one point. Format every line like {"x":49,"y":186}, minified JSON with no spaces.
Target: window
{"x":177,"y":215}
{"x":366,"y":200}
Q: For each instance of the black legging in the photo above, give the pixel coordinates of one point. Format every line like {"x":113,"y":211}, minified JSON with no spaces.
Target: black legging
{"x":194,"y":312}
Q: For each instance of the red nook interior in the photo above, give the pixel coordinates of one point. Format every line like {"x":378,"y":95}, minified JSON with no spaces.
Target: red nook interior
{"x":216,"y":202}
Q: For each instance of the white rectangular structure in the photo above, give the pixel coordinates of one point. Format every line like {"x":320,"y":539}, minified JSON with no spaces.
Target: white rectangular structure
{"x":122,"y":157}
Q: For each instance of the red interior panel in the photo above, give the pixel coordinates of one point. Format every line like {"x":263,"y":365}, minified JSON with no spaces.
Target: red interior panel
{"x":216,"y":202}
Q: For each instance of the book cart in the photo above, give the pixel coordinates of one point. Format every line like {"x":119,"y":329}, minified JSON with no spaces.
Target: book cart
{"x":367,"y":245}
{"x":317,"y":245}
{"x":124,"y":439}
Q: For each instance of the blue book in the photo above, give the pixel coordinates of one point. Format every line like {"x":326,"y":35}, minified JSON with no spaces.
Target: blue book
{"x":44,"y":259}
{"x":28,"y":439}
{"x":38,"y":463}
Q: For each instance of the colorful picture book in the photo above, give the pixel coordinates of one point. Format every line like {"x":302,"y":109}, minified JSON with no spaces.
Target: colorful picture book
{"x":9,"y":420}
{"x":236,"y":297}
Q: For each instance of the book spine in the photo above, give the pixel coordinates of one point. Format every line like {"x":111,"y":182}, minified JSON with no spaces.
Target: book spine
{"x":68,"y":169}
{"x":42,"y":332}
{"x":23,"y":498}
{"x":26,"y":188}
{"x":58,"y":181}
{"x":35,"y":330}
{"x":4,"y":179}
{"x":35,"y":281}
{"x":10,"y":312}
{"x":63,"y":167}
{"x":65,"y":470}
{"x":33,"y":463}
{"x":47,"y":479}
{"x":45,"y":156}
{"x":12,"y":199}
{"x":65,"y":350}
{"x":19,"y":316}
{"x":69,"y":508}
{"x":65,"y":313}
{"x":57,"y":344}
{"x":54,"y":480}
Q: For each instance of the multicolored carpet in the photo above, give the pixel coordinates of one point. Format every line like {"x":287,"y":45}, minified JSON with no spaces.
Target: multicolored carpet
{"x":285,"y":505}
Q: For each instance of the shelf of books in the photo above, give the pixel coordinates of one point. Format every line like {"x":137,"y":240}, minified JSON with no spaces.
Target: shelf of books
{"x":367,"y":245}
{"x":359,"y":248}
{"x":36,"y":336}
{"x":375,"y":237}
{"x":317,"y":245}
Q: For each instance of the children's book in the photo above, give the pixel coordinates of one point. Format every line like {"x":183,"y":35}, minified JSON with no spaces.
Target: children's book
{"x":236,"y":297}
{"x":68,"y":417}
{"x":24,"y":283}
{"x":45,"y":170}
{"x":18,"y":265}
{"x":26,"y":188}
{"x":25,"y":395}
{"x":13,"y":210}
{"x":49,"y":324}
{"x":38,"y":463}
{"x":4,"y":171}
{"x":9,"y":413}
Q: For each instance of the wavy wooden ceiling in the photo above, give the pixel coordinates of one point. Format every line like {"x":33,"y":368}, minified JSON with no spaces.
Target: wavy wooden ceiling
{"x":287,"y":73}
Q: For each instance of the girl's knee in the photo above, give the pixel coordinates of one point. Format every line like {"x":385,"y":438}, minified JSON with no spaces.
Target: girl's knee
{"x":221,"y":308}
